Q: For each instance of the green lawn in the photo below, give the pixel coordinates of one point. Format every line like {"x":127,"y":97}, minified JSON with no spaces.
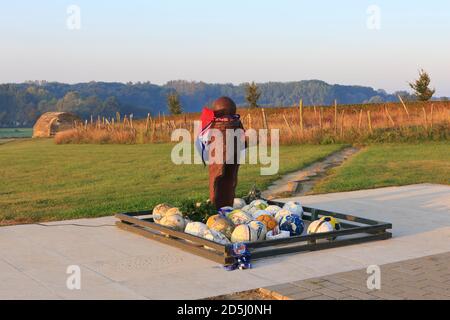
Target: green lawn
{"x":391,"y":165}
{"x":41,"y":181}
{"x":15,"y":133}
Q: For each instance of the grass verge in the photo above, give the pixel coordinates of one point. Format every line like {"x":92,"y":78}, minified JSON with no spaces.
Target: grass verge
{"x":383,"y":165}
{"x":42,"y":181}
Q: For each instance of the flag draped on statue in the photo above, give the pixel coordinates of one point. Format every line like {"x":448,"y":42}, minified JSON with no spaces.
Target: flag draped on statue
{"x":203,"y":139}
{"x":221,"y":155}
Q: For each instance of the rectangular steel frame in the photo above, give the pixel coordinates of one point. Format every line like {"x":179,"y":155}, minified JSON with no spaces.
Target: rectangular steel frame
{"x":354,"y":230}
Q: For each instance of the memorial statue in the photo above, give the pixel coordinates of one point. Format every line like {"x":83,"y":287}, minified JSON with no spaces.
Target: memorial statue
{"x":223,"y":175}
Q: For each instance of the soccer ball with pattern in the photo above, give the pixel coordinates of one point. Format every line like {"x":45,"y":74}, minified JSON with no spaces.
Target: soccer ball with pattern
{"x":269,"y":221}
{"x":294,"y":208}
{"x":292,"y":223}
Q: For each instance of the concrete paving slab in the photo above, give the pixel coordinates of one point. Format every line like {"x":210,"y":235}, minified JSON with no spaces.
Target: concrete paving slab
{"x":117,"y":265}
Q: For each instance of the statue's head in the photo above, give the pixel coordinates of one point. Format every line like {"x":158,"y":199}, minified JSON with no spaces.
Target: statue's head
{"x":224,"y":106}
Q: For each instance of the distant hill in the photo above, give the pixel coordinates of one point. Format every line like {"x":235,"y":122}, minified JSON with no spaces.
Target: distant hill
{"x":21,"y":104}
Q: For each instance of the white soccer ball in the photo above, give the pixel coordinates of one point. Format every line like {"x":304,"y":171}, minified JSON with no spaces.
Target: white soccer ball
{"x":239,"y":203}
{"x":173,"y":212}
{"x":197,"y":229}
{"x":174,"y":221}
{"x":259,"y":204}
{"x":273,"y":210}
{"x":320,"y":226}
{"x":238,"y":217}
{"x":246,"y":208}
{"x":159,"y":211}
{"x":215,"y":236}
{"x":257,"y":214}
{"x":226,"y":211}
{"x":281,"y":214}
{"x":260,"y":231}
{"x":277,"y":234}
{"x":294,"y":208}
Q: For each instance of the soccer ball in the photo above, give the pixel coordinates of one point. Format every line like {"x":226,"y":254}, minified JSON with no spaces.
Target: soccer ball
{"x":276,"y":233}
{"x":243,"y":233}
{"x":239,"y":203}
{"x":197,"y":229}
{"x":259,"y":229}
{"x":259,"y":204}
{"x":238,"y":217}
{"x":258,"y":213}
{"x":215,"y":236}
{"x":320,"y":226}
{"x":335,"y":223}
{"x":252,"y":210}
{"x":225,"y":211}
{"x":292,"y":223}
{"x":294,"y":208}
{"x":174,"y":221}
{"x":173,"y":212}
{"x":246,"y":208}
{"x":220,"y":224}
{"x":159,"y":211}
{"x":269,"y":221}
{"x":281,"y":214}
{"x":273,"y":210}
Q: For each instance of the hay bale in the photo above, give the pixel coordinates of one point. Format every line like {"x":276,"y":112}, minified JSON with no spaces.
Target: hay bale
{"x":51,"y":123}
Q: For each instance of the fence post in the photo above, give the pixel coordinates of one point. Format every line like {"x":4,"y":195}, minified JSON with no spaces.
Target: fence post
{"x":321,"y":119}
{"x":404,"y":105}
{"x":369,"y":121}
{"x":389,"y":116}
{"x":335,"y":117}
{"x":301,"y":116}
{"x":264,"y":118}
{"x":287,"y":124}
{"x":360,"y":120}
{"x":425,"y":118}
{"x":432,"y":116}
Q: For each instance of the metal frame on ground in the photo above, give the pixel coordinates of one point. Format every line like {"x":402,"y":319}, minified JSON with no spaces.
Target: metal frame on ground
{"x":354,"y":230}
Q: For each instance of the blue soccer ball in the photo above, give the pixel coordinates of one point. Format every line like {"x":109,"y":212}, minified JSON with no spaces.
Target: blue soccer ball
{"x":293,"y":224}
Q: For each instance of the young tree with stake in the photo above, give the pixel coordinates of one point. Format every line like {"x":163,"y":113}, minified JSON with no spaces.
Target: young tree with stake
{"x":421,"y":87}
{"x":252,"y":95}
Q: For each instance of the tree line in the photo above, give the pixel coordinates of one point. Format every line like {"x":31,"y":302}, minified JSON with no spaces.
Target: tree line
{"x":21,"y":104}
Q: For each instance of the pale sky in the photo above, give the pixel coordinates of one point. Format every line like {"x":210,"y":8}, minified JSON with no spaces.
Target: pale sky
{"x":227,"y":41}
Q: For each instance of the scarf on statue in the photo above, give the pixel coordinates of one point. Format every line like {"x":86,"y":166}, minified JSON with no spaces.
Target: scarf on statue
{"x":203,"y":140}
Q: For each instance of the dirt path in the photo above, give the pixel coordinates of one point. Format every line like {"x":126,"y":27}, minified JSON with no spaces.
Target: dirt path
{"x":302,"y":182}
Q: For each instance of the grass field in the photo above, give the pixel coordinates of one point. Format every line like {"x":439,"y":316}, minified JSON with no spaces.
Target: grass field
{"x":391,"y":165}
{"x":6,"y":133}
{"x":42,"y":181}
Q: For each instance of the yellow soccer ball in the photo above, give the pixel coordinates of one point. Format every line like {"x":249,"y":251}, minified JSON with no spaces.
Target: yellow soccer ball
{"x":221,"y":225}
{"x":319,"y":226}
{"x":333,"y":221}
{"x":242,"y":233}
{"x":174,"y":221}
{"x":239,"y":217}
{"x":160,"y":211}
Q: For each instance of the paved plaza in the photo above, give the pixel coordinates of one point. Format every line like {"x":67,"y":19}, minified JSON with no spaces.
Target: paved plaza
{"x":119,"y":265}
{"x":420,"y":279}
